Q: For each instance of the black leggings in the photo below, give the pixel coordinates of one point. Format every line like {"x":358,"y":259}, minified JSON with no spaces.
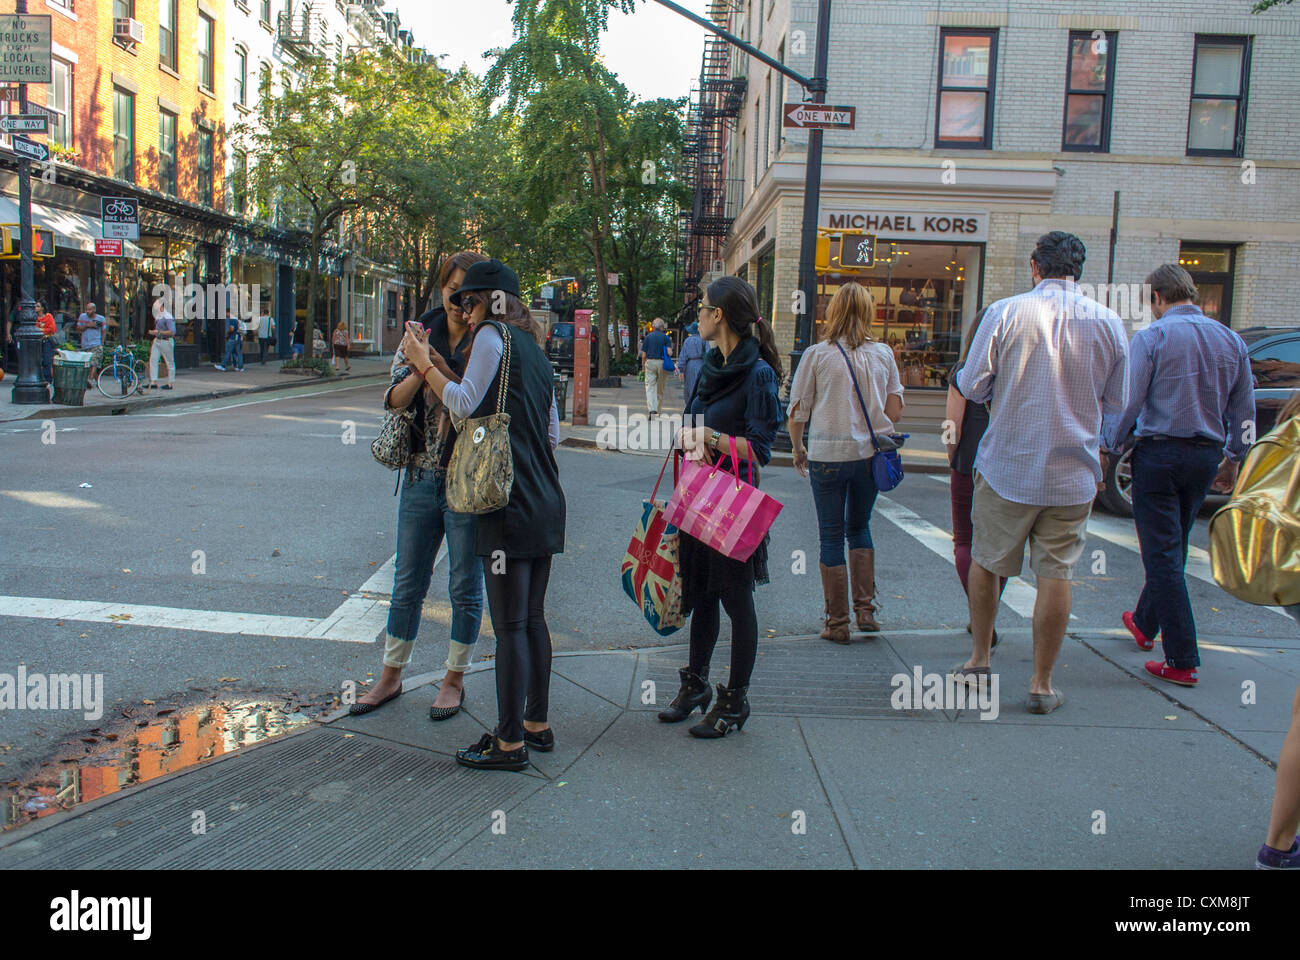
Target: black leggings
{"x":517,"y":603}
{"x":738,"y":601}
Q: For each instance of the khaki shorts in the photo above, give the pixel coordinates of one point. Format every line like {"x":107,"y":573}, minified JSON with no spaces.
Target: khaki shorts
{"x":1056,"y":535}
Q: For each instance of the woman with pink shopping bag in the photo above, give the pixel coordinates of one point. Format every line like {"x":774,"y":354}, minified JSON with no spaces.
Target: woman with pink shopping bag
{"x":735,"y":415}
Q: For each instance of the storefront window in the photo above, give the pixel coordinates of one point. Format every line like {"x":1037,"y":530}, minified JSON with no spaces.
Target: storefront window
{"x":765,"y":282}
{"x":926,"y":295}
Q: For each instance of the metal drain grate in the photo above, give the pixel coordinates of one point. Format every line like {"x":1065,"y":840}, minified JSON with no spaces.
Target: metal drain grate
{"x":800,"y":678}
{"x":368,"y":803}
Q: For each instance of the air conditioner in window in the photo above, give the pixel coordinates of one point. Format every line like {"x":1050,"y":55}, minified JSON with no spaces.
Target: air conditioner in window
{"x":128,"y":29}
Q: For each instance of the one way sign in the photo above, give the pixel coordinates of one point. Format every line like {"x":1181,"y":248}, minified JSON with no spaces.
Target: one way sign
{"x":807,"y":115}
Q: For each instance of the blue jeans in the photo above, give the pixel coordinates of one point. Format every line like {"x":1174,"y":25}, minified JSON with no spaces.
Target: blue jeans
{"x":844,"y":494}
{"x":1170,"y":481}
{"x":423,"y":519}
{"x":234,"y":354}
{"x":47,"y":359}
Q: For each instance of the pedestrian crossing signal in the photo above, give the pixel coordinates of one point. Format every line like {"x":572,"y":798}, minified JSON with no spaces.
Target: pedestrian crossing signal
{"x":11,"y":244}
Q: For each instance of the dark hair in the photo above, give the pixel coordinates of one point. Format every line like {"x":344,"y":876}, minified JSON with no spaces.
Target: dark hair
{"x":739,"y":305}
{"x":516,"y":313}
{"x":458,"y":261}
{"x":1059,"y":254}
{"x":970,"y":334}
{"x":1172,"y":282}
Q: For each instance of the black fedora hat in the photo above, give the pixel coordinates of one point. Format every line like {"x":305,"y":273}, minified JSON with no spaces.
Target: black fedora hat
{"x":488,"y":275}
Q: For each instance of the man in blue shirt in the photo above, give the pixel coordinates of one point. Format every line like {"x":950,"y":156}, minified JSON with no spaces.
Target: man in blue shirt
{"x":654,"y":349}
{"x":1190,"y":394}
{"x":234,"y":355}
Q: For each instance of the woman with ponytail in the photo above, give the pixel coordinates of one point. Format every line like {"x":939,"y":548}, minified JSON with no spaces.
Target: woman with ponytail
{"x":735,"y":398}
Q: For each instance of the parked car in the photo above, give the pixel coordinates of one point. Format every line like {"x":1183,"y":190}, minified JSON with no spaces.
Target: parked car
{"x":559,"y":346}
{"x":1274,"y":362}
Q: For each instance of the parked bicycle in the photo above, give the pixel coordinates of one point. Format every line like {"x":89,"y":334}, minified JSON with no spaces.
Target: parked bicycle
{"x":123,"y":376}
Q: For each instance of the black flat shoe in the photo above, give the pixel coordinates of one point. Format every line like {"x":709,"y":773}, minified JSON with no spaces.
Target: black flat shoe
{"x":543,"y":740}
{"x":357,"y":709}
{"x":445,"y":713}
{"x":486,"y":754}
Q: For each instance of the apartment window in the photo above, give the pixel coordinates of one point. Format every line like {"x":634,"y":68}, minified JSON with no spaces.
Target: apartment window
{"x":123,"y":135}
{"x":59,"y":102}
{"x":1212,"y":267}
{"x":167,"y":18}
{"x":122,"y":9}
{"x":1216,"y":119}
{"x":207,"y":32}
{"x":967,"y":70}
{"x":205,"y":167}
{"x":264,"y":79}
{"x":265,"y":14}
{"x":239,"y":181}
{"x":241,"y":76}
{"x":167,"y":152}
{"x":758,"y":168}
{"x":767,"y":125}
{"x":1089,"y":90}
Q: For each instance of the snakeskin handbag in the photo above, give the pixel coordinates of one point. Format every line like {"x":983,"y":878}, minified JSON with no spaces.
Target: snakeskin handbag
{"x":482,"y":468}
{"x":392,"y":448}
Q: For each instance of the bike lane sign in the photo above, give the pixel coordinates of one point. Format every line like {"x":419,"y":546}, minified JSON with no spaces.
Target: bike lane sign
{"x":120,"y":218}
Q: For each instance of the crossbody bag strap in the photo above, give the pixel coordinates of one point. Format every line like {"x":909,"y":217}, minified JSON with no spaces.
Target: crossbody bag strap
{"x":862,"y":403}
{"x":504,"y":383}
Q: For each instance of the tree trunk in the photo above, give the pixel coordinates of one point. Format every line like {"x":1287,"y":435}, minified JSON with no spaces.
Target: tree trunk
{"x":313,"y":275}
{"x":602,"y":306}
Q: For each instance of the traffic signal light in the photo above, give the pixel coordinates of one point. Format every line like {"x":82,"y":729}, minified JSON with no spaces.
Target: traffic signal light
{"x":11,"y":245}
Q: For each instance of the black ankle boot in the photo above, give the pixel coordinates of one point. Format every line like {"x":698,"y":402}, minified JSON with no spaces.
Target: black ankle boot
{"x":731,"y":709}
{"x":694,"y":692}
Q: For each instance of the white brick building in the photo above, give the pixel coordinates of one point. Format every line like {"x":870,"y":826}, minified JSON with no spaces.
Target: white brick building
{"x":958,"y":178}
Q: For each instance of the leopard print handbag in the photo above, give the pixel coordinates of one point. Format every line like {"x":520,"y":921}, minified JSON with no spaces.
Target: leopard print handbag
{"x":482,"y":468}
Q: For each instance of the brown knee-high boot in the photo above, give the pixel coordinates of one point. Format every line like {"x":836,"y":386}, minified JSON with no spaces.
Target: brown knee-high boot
{"x":862,"y":567}
{"x":835,"y":588}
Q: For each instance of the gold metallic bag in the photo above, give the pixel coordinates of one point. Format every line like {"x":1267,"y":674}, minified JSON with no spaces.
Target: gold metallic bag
{"x":482,"y":468}
{"x":1255,"y":538}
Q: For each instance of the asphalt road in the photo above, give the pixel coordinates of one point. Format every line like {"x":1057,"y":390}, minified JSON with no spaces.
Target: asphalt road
{"x":292,"y":521}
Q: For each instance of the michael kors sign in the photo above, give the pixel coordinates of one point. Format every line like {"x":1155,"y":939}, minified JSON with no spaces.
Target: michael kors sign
{"x":911,"y":224}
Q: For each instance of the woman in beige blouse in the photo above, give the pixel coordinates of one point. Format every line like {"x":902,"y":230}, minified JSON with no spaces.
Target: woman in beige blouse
{"x":839,"y":449}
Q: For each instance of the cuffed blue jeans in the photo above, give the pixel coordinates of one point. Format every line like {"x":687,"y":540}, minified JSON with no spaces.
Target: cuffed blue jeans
{"x":1171,"y":479}
{"x":423,"y":519}
{"x":234,"y":354}
{"x":844,"y":493}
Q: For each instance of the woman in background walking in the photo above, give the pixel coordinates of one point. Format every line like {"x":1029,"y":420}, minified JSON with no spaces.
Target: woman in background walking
{"x":835,"y":379}
{"x":691,"y":361}
{"x":964,"y":424}
{"x":423,"y":517}
{"x":518,"y":541}
{"x":735,"y":399}
{"x":340,"y":340}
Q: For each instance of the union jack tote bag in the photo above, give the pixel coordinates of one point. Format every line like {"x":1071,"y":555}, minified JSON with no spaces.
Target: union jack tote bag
{"x":651,"y":572}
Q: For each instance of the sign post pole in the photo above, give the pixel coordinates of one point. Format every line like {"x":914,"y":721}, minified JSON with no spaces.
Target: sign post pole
{"x":30,"y":387}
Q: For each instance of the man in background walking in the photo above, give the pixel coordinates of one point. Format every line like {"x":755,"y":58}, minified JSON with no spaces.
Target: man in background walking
{"x":654,"y":348}
{"x":265,"y":331}
{"x":1052,"y":362}
{"x":91,"y":327}
{"x":164,"y":345}
{"x":1190,"y":394}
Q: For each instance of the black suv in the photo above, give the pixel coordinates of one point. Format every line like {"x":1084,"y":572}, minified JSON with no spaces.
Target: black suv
{"x":1274,"y":361}
{"x":559,"y":347}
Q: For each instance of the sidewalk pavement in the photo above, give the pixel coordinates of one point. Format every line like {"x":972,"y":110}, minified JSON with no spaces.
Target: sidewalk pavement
{"x":195,"y":383}
{"x":826,"y":774}
{"x":616,"y":419}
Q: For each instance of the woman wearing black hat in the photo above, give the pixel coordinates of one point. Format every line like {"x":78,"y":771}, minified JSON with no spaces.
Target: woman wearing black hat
{"x":518,"y":540}
{"x":735,"y":397}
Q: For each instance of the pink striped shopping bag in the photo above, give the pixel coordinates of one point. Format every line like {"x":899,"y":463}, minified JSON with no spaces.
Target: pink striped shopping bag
{"x":719,"y":509}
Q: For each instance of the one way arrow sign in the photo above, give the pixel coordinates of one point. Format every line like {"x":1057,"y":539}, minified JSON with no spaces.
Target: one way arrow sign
{"x":807,"y":115}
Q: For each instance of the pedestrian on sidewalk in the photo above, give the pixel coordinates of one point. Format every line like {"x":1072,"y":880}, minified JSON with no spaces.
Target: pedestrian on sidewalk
{"x":691,"y":362}
{"x":835,"y":379}
{"x":341,"y":346}
{"x":164,"y":345}
{"x":423,"y":517}
{"x":299,"y":338}
{"x":318,"y":347}
{"x":1190,"y":393}
{"x":90,"y":325}
{"x":1281,"y":849}
{"x":265,"y":331}
{"x":654,"y":348}
{"x":964,"y":424}
{"x":735,"y":398}
{"x":1051,"y":362}
{"x":234,"y":355}
{"x":45,"y":321}
{"x":519,"y":540}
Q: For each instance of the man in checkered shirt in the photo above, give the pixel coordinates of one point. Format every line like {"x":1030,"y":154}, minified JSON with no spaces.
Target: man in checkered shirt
{"x":1050,"y":363}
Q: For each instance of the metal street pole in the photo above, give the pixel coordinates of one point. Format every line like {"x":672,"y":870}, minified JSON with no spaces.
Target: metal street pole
{"x":812,"y":199}
{"x":30,"y":387}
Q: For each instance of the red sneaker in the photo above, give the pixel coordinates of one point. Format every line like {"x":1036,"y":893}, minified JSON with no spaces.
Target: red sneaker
{"x":1184,"y":678}
{"x":1143,"y":642}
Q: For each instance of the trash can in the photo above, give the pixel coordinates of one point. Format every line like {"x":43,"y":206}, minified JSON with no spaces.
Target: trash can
{"x":561,"y":393}
{"x":70,"y":382}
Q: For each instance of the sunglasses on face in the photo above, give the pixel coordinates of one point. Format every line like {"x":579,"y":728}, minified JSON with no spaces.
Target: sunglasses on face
{"x":468,"y":302}
{"x":707,"y":306}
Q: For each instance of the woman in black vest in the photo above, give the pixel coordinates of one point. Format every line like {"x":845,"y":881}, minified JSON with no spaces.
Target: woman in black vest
{"x":517,"y":541}
{"x":735,"y":396}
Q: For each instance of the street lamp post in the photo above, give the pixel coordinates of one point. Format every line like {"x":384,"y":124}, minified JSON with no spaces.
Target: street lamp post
{"x":30,"y":387}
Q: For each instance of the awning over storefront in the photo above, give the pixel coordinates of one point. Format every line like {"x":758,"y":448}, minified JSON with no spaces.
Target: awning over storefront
{"x":71,"y":229}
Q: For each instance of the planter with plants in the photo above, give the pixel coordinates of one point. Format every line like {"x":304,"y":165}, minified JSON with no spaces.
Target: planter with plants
{"x":307,"y":367}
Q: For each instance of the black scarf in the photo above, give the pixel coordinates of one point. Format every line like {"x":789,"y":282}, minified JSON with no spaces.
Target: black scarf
{"x":718,"y":377}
